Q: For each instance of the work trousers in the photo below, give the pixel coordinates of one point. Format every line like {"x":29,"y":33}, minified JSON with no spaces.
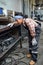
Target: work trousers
{"x":33,"y":48}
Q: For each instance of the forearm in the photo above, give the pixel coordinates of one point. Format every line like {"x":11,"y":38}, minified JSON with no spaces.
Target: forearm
{"x":32,"y":33}
{"x":16,"y":23}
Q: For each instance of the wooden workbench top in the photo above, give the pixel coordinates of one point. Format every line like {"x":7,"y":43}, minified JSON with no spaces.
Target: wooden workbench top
{"x":5,"y":21}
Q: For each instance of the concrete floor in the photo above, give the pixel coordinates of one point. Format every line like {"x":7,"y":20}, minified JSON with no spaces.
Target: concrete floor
{"x":40,"y":50}
{"x":24,"y":50}
{"x":20,"y":53}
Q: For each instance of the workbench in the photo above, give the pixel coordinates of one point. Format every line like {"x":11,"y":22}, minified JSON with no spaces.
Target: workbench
{"x":14,"y":31}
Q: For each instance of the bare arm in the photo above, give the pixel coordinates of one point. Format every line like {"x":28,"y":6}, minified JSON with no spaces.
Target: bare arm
{"x":13,"y":23}
{"x":17,"y":22}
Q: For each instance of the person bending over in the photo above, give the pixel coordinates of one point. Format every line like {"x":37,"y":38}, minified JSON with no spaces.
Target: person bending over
{"x":34,"y":30}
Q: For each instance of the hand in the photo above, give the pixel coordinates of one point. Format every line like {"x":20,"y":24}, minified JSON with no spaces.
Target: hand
{"x":34,"y":41}
{"x":10,"y":24}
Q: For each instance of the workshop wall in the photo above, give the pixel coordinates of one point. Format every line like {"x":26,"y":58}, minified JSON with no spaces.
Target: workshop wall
{"x":15,"y":5}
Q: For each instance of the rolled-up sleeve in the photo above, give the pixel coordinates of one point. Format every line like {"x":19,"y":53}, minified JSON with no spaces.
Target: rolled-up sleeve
{"x":31,"y":26}
{"x":32,"y":30}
